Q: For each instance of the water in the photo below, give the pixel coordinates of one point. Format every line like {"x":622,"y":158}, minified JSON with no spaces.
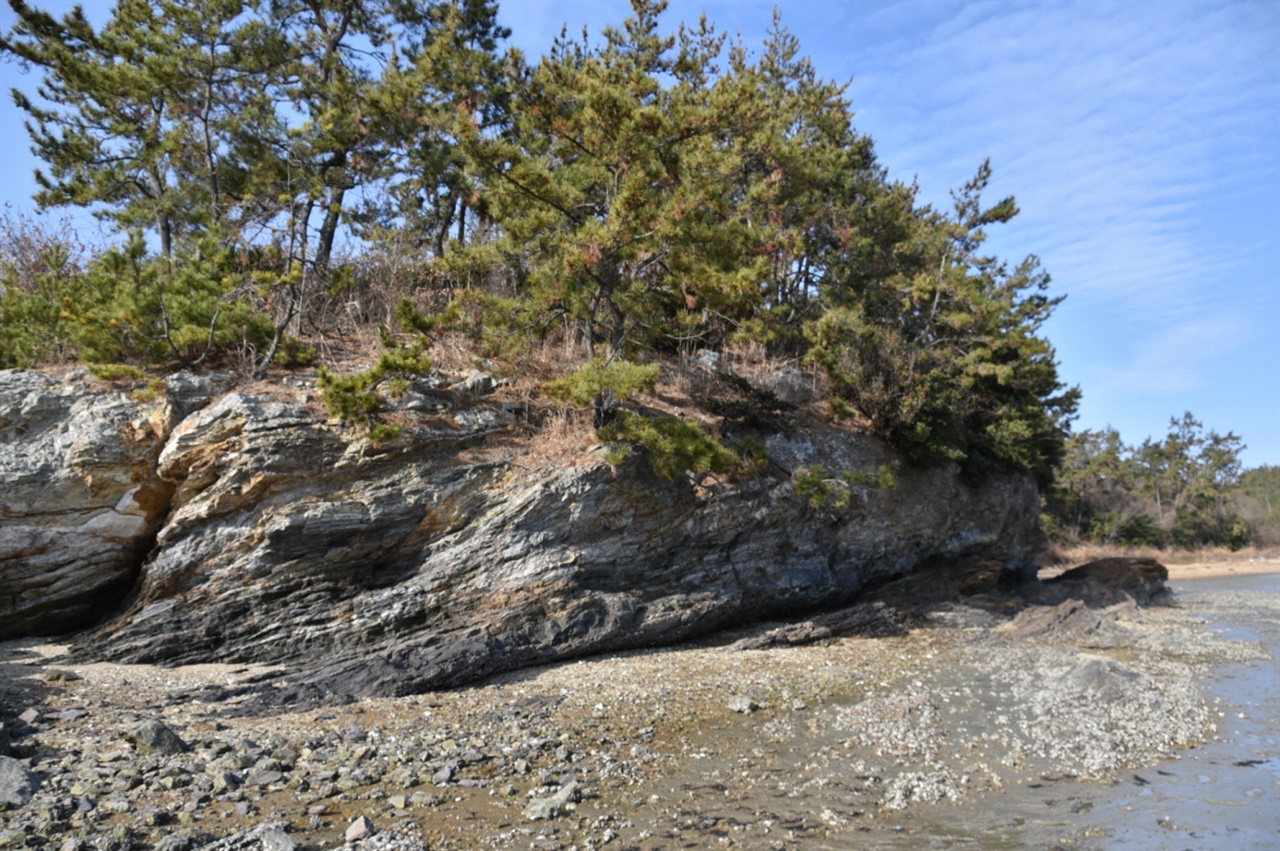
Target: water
{"x":817,"y":780}
{"x":1223,"y":796}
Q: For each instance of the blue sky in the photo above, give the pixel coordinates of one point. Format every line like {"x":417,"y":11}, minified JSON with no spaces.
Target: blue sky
{"x":1141,"y":139}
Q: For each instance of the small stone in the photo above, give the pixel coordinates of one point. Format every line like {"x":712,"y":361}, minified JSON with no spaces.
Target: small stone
{"x":225,"y":781}
{"x":61,"y":677}
{"x":399,"y":802}
{"x":17,"y":784}
{"x":264,"y":778}
{"x":553,"y":805}
{"x":359,"y":829}
{"x":30,"y":717}
{"x":443,"y":776}
{"x":742,"y":703}
{"x":273,"y":838}
{"x":154,"y":737}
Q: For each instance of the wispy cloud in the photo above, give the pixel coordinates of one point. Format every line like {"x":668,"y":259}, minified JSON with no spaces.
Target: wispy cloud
{"x":1126,"y":131}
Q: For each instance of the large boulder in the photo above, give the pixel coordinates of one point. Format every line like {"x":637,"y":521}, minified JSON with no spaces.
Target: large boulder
{"x":1108,"y":581}
{"x":394,"y":569}
{"x":17,"y":783}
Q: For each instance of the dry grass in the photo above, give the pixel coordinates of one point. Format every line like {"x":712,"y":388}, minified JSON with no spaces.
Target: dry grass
{"x":1067,"y":556}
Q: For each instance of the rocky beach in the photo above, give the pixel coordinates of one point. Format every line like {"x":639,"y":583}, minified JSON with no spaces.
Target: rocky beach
{"x":228,"y":623}
{"x":860,"y":727}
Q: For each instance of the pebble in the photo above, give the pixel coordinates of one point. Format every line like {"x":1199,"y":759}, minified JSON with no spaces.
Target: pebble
{"x":592,"y":740}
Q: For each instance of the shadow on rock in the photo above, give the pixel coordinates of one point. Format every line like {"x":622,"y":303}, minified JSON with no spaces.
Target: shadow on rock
{"x":26,"y":685}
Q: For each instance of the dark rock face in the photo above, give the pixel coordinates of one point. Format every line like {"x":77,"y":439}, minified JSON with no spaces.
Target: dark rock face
{"x":402,"y":568}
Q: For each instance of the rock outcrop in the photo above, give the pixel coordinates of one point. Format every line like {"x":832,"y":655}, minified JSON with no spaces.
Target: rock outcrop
{"x":401,"y":568}
{"x":1109,"y":581}
{"x":80,"y":500}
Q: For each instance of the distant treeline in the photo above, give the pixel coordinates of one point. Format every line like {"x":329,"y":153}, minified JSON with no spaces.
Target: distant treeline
{"x":1186,"y":491}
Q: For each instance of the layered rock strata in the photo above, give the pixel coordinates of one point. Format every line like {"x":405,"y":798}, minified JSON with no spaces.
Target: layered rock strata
{"x":395,"y":569}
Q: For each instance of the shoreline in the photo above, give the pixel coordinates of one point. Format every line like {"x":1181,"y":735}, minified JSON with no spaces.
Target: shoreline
{"x":843,"y":739}
{"x":1181,"y":572}
{"x":1217,"y":570}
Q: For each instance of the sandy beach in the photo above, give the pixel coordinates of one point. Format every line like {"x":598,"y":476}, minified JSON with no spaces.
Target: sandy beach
{"x":1217,"y":569}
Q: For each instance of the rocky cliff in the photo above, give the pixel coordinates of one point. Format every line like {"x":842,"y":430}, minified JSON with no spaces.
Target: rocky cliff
{"x":238,"y":527}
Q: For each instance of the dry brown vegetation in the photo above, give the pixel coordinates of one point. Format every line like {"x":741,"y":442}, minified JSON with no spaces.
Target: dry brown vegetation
{"x":1062,"y":556}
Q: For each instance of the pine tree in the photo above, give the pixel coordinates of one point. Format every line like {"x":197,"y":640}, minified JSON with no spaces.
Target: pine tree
{"x":942,"y":355}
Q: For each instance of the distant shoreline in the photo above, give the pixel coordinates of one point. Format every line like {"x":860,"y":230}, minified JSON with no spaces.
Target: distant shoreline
{"x":1217,"y":569}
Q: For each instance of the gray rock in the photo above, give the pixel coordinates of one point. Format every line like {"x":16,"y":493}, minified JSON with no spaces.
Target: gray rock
{"x":5,"y":745}
{"x":359,"y":829}
{"x":188,"y":392}
{"x":552,"y":806}
{"x":154,"y":737}
{"x":712,"y":362}
{"x":398,"y":569}
{"x":17,"y":784}
{"x":82,"y":499}
{"x":743,"y":703}
{"x":274,"y":838}
{"x":1070,"y":622}
{"x":867,"y":620}
{"x":389,"y":841}
{"x":29,"y":716}
{"x":791,"y":385}
{"x":187,"y":839}
{"x":269,"y":836}
{"x":1108,"y":581}
{"x":478,"y":383}
{"x":483,"y":418}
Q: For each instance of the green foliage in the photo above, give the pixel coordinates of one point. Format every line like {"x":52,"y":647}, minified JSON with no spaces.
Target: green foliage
{"x":834,"y":492}
{"x":941,"y":356}
{"x":641,"y":194}
{"x":127,"y":307}
{"x":1181,"y":491}
{"x":585,"y":385}
{"x":1263,"y":484}
{"x":673,"y":446}
{"x":295,"y":353}
{"x":360,"y":397}
{"x":116,"y":372}
{"x":1257,"y":498}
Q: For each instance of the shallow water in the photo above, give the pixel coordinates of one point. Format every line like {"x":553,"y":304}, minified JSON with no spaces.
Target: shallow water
{"x":817,"y":779}
{"x":1223,"y":796}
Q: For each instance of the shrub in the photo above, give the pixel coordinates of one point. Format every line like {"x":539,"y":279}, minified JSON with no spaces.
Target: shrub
{"x":672,"y":445}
